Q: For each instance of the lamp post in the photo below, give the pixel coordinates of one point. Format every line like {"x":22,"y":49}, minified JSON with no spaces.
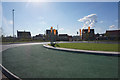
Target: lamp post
{"x":13,"y":21}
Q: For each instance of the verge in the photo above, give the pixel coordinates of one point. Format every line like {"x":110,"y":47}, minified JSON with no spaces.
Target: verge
{"x":83,"y":51}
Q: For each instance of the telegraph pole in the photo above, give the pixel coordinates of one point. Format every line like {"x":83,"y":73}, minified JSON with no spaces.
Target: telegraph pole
{"x":13,"y":21}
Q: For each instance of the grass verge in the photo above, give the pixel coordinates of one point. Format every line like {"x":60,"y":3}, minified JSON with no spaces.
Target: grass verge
{"x":90,"y":46}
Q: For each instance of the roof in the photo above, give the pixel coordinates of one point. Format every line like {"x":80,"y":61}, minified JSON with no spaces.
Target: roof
{"x":23,"y":32}
{"x":63,"y":35}
{"x":113,"y":32}
{"x":87,"y":29}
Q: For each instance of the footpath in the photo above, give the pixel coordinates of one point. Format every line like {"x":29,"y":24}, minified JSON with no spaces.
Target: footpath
{"x":83,"y":51}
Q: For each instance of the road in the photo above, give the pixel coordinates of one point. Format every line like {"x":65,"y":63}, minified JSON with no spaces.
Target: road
{"x":7,"y":46}
{"x":34,"y":61}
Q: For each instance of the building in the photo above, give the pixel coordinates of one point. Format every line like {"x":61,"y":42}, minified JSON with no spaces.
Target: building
{"x":100,"y":36}
{"x":48,"y":34}
{"x":113,"y":34}
{"x":64,"y":37}
{"x":8,"y":39}
{"x":38,"y":37}
{"x":77,"y":38}
{"x":88,"y":36}
{"x":23,"y":35}
{"x":70,"y":38}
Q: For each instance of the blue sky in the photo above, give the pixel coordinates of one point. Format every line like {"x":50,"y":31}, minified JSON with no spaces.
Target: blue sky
{"x":39,"y":16}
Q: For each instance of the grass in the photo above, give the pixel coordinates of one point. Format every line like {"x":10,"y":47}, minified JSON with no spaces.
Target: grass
{"x":90,"y":46}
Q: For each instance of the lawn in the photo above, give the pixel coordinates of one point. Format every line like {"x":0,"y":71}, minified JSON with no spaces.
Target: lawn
{"x":90,"y":46}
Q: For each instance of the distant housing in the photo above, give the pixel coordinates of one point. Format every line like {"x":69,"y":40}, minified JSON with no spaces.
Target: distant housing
{"x":48,"y":34}
{"x":88,"y":36}
{"x":64,"y":37}
{"x":26,"y":35}
{"x":23,"y":35}
{"x":113,"y":34}
{"x":38,"y":37}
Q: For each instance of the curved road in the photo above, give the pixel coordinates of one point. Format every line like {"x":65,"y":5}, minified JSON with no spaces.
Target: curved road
{"x":35,"y":61}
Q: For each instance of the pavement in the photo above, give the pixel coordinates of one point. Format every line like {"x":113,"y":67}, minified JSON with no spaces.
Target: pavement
{"x":7,"y":46}
{"x":83,"y":51}
{"x":36,"y":61}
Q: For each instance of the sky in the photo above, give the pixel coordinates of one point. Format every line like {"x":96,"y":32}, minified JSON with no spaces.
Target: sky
{"x":36,"y":17}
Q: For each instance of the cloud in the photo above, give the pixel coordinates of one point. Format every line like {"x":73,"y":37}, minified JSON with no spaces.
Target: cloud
{"x":89,"y":20}
{"x":41,"y":18}
{"x":11,"y":22}
{"x":101,"y":21}
{"x":43,"y":23}
{"x":33,"y":2}
{"x":0,"y":12}
{"x":6,"y":26}
{"x":112,"y":26}
{"x":7,"y":22}
{"x":0,"y":18}
{"x":27,"y":3}
{"x":116,"y":20}
{"x":61,"y":29}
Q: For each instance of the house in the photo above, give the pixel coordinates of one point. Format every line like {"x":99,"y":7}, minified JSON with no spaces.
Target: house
{"x":88,"y":35}
{"x":38,"y":37}
{"x":77,"y":38}
{"x":113,"y":34}
{"x":23,"y":35}
{"x":100,"y":36}
{"x":64,"y":37}
{"x":48,"y":34}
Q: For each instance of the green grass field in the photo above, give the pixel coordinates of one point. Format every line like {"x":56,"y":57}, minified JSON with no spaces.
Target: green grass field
{"x":90,"y":46}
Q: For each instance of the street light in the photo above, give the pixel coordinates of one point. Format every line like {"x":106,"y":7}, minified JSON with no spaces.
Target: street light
{"x":13,"y":21}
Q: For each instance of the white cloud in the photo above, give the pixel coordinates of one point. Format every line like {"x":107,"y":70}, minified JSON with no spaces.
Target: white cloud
{"x":27,"y":3}
{"x":43,"y":23}
{"x":0,"y":14}
{"x":116,"y":20}
{"x":6,"y":26}
{"x":10,"y":22}
{"x":61,"y":29}
{"x":89,"y":20}
{"x":101,"y":21}
{"x":0,"y":18}
{"x":7,"y":22}
{"x":33,"y":2}
{"x":41,"y":18}
{"x":112,"y":26}
{"x":61,"y":0}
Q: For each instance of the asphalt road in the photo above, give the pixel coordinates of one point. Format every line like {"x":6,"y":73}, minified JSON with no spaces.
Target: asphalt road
{"x":35,"y":61}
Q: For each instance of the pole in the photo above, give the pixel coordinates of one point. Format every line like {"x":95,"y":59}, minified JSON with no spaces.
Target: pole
{"x":57,"y":27}
{"x":57,"y":35}
{"x":13,"y":22}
